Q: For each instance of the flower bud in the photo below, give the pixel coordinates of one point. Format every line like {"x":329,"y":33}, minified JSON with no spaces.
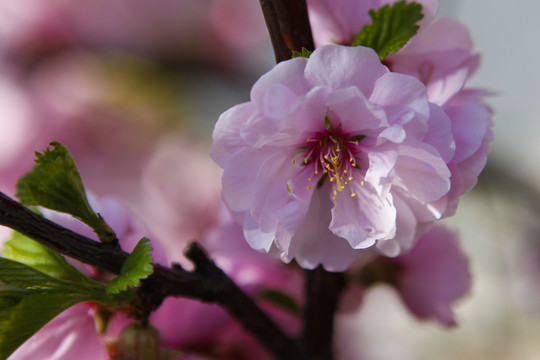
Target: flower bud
{"x":139,"y":342}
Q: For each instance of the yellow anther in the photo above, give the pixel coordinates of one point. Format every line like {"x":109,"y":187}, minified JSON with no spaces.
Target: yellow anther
{"x":308,"y":187}
{"x":335,"y":192}
{"x":353,"y":194}
{"x":306,"y":161}
{"x":350,"y":178}
{"x":309,"y":179}
{"x":293,"y":161}
{"x":362,"y":183}
{"x":351,"y":159}
{"x":346,"y":171}
{"x":316,"y":172}
{"x":289,"y":188}
{"x":308,"y":140}
{"x":325,"y":171}
{"x":331,"y":179}
{"x":356,"y":142}
{"x":341,"y":188}
{"x":334,"y":198}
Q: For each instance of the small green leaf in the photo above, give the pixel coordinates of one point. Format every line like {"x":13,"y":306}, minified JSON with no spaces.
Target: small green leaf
{"x":392,"y":26}
{"x":280,"y":299}
{"x":138,"y":266}
{"x":304,"y":53}
{"x":29,"y":299}
{"x":55,"y":183}
{"x":29,"y":252}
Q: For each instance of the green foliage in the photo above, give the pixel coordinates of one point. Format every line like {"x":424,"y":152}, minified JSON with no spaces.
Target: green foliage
{"x":392,"y":26}
{"x":304,"y":53}
{"x":55,"y":183}
{"x":137,"y":266}
{"x":29,"y":299}
{"x":27,"y":251}
{"x":280,"y":299}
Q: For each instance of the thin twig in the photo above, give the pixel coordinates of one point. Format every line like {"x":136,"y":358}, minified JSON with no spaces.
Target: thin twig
{"x":294,"y":24}
{"x":281,"y":50}
{"x":322,"y":295}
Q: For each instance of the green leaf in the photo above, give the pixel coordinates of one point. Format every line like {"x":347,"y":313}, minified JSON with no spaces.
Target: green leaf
{"x":137,"y":266}
{"x":280,"y":299}
{"x":55,"y":183}
{"x":29,"y":252}
{"x":304,"y":53}
{"x":29,"y":299}
{"x":392,"y":26}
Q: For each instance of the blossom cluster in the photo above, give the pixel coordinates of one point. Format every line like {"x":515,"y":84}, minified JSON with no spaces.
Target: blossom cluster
{"x":338,"y":160}
{"x":341,"y":152}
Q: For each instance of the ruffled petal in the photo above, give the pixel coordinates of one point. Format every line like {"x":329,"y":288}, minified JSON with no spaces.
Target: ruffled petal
{"x":440,"y":133}
{"x":364,"y":218}
{"x":335,"y":67}
{"x":470,"y":123}
{"x":287,"y":73}
{"x":354,"y":112}
{"x":314,"y":244}
{"x":400,"y":94}
{"x":421,"y":172}
{"x":225,"y":137}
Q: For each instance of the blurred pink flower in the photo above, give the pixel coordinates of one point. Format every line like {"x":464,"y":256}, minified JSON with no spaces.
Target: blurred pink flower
{"x":71,"y":335}
{"x":329,"y":157}
{"x":429,"y":279}
{"x":433,"y":276}
{"x":208,"y":329}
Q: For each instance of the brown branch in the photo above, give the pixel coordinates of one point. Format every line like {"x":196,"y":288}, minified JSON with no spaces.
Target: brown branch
{"x":294,"y":24}
{"x":207,"y":282}
{"x":322,"y":295}
{"x":281,"y":50}
{"x":288,"y":25}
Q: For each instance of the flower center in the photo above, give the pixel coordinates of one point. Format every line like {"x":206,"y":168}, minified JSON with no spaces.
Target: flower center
{"x":332,"y":154}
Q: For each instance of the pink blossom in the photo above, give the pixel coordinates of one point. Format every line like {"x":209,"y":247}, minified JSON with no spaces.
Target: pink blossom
{"x":471,"y":128}
{"x":329,"y":158}
{"x":440,"y":54}
{"x":429,"y":279}
{"x":71,"y":335}
{"x":433,"y":276}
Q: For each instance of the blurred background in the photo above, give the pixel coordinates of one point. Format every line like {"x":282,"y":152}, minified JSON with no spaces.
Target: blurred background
{"x":134,"y":87}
